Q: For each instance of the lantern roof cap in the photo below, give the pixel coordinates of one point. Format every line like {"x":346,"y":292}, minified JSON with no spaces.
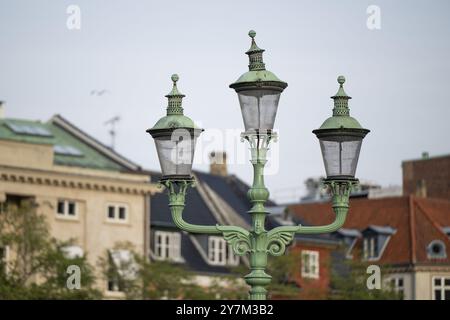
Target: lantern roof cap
{"x":341,"y":119}
{"x":174,"y":92}
{"x":175,"y":119}
{"x":257,"y":74}
{"x":341,"y":93}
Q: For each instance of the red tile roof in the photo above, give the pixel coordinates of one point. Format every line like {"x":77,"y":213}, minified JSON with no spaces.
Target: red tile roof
{"x":417,"y":221}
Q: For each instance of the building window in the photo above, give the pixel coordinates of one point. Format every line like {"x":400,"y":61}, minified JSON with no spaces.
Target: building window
{"x":436,"y":250}
{"x":4,"y":259}
{"x":398,"y":285}
{"x":220,"y":253}
{"x":370,"y":249}
{"x":66,"y":208}
{"x":72,"y":252}
{"x":167,"y":245}
{"x":117,"y":212}
{"x":310,"y":264}
{"x":441,"y":288}
{"x":114,"y":284}
{"x":122,"y":268}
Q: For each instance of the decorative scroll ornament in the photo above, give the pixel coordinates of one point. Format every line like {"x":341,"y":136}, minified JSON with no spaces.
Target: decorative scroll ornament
{"x":237,"y":237}
{"x":277,"y":242}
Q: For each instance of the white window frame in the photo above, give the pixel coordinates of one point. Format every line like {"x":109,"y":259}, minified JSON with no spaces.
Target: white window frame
{"x":168,"y":244}
{"x":431,"y":255}
{"x":442,"y":287}
{"x":370,"y":247}
{"x":123,"y":262}
{"x":311,"y":269}
{"x":220,"y":253}
{"x":117,"y":206}
{"x":65,"y":214}
{"x":394,"y":282}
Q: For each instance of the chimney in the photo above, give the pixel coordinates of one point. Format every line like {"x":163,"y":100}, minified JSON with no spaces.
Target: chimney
{"x":425,"y":155}
{"x":2,"y":109}
{"x":218,"y":163}
{"x":421,"y":188}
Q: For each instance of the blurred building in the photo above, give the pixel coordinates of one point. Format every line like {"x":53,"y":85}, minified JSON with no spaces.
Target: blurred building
{"x":221,"y":198}
{"x":87,"y":191}
{"x":407,"y":235}
{"x":427,"y":177}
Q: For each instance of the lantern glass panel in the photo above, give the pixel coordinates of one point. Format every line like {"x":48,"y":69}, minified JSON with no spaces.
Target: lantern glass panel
{"x":259,"y":108}
{"x":176,"y":153}
{"x":340,"y":155}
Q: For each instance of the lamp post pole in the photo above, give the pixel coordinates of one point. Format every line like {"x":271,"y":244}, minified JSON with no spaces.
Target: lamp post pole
{"x":340,"y":137}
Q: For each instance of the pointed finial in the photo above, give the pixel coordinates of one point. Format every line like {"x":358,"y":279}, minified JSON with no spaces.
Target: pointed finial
{"x":175,"y":98}
{"x":341,"y":99}
{"x":255,"y":54}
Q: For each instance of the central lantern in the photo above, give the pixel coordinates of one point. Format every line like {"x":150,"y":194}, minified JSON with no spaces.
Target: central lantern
{"x":258,"y":91}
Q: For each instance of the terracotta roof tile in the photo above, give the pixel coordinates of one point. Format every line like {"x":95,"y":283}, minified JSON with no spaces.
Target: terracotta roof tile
{"x":417,"y":222}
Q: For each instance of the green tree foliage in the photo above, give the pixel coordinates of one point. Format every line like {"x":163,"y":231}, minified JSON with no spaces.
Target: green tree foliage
{"x":37,"y":266}
{"x":139,"y":278}
{"x":349,"y":283}
{"x":282,"y":269}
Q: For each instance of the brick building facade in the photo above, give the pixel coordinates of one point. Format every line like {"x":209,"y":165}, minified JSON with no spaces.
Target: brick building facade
{"x":427,"y":177}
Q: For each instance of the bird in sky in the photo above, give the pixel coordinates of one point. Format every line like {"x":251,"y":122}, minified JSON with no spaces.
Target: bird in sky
{"x":99,"y":92}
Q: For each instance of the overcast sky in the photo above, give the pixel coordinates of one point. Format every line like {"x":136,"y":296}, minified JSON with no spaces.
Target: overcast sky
{"x":398,"y":76}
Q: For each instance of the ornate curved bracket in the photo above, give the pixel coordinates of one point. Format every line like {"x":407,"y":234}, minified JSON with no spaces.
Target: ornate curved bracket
{"x":237,"y":237}
{"x":340,"y":191}
{"x":278,"y":239}
{"x":177,"y":193}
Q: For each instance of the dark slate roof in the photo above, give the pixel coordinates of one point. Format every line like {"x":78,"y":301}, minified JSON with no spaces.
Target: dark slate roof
{"x":194,"y":260}
{"x":233,"y":190}
{"x":195,"y":212}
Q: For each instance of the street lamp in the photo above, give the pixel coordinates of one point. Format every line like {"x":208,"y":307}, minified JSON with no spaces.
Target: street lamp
{"x":175,"y":138}
{"x":259,"y":92}
{"x":340,"y":138}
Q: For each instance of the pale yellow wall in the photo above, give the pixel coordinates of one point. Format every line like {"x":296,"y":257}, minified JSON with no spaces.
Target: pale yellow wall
{"x":423,"y":281}
{"x":408,"y":283}
{"x":26,"y":155}
{"x":28,"y":170}
{"x":90,"y":229}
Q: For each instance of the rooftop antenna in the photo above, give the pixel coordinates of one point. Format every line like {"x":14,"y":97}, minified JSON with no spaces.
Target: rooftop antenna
{"x":112,"y":131}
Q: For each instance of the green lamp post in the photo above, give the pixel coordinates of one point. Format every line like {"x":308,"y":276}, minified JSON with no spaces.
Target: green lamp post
{"x":258,"y":91}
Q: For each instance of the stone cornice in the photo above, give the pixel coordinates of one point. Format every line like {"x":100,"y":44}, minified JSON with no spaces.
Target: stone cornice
{"x":75,"y":181}
{"x":416,"y":268}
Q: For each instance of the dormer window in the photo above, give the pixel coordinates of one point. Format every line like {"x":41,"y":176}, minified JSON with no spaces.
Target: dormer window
{"x":446,"y":230}
{"x":370,"y":247}
{"x":220,"y":253}
{"x":375,"y":240}
{"x":436,"y":250}
{"x":349,"y":237}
